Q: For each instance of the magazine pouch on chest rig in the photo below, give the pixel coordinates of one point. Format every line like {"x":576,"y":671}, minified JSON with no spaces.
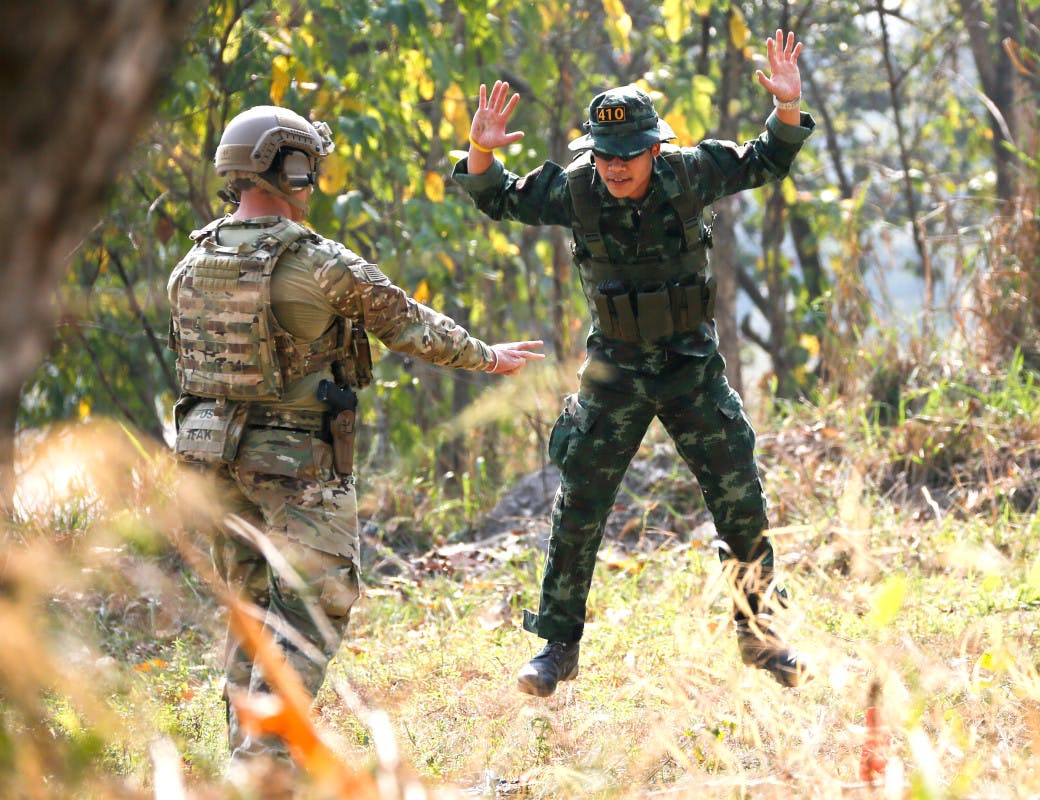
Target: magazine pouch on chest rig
{"x":647,"y":300}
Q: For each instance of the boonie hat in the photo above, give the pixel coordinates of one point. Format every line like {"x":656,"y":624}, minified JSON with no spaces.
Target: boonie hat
{"x":622,"y":122}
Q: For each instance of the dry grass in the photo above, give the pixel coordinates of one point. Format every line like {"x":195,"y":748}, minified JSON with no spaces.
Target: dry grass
{"x":910,"y":550}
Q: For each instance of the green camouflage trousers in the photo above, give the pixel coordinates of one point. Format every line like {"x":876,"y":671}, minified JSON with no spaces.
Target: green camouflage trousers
{"x":595,"y":439}
{"x":283,"y":483}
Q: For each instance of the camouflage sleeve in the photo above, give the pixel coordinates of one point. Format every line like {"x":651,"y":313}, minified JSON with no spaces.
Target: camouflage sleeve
{"x":724,"y":168}
{"x":540,"y":197}
{"x":360,"y":291}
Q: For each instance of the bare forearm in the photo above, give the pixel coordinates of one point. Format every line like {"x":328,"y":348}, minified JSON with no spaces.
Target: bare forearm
{"x":791,"y":116}
{"x":480,"y":160}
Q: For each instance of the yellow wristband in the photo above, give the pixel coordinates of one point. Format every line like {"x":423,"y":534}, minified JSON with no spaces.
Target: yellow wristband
{"x":476,"y":146}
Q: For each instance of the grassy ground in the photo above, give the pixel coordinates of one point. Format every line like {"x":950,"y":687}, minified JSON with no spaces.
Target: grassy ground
{"x":662,"y":705}
{"x":910,"y":549}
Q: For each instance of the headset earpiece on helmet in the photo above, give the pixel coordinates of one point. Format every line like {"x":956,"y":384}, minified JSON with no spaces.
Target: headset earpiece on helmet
{"x":298,"y":170}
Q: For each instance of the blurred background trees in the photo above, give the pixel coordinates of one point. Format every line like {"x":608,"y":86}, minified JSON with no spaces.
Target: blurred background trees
{"x":908,"y":221}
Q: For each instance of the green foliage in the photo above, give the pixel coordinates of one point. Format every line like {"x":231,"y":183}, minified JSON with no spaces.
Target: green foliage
{"x":397,"y":82}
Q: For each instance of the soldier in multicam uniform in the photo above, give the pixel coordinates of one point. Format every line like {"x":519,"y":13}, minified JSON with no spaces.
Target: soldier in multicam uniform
{"x":635,"y":207}
{"x":265,"y":313}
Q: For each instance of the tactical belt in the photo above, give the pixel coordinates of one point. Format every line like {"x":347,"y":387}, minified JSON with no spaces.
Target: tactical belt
{"x":656,"y":312}
{"x":293,"y":420}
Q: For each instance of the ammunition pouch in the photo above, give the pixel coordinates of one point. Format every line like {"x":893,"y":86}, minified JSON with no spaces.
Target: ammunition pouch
{"x":654,"y":312}
{"x":361,"y":351}
{"x":209,"y":431}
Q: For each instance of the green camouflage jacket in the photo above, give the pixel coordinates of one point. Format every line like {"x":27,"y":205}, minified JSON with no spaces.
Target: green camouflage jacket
{"x":648,"y":228}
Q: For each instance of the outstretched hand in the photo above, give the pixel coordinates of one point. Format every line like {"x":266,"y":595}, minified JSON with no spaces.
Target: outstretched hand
{"x":784,"y":81}
{"x":511,"y":357}
{"x":488,"y":128}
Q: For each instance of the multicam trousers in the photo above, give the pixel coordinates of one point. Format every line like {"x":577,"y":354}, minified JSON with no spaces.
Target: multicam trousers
{"x":283,"y":483}
{"x":595,"y":439}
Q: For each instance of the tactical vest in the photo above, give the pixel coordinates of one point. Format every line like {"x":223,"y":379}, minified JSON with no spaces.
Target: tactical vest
{"x":229,"y":344}
{"x":650,"y":299}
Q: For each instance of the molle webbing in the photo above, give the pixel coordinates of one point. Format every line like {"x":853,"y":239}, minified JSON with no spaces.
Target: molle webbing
{"x":229,"y":343}
{"x":285,"y":418}
{"x":587,"y":208}
{"x":654,"y":313}
{"x":650,"y":299}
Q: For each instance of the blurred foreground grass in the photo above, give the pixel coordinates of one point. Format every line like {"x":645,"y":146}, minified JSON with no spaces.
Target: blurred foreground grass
{"x":910,"y":549}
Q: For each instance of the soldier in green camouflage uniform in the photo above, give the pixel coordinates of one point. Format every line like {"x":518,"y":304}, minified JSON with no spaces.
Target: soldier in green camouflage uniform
{"x":263,"y":311}
{"x":635,"y":207}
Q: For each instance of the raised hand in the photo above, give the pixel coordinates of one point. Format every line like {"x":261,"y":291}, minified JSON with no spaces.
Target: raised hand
{"x":488,"y":128}
{"x":784,"y":81}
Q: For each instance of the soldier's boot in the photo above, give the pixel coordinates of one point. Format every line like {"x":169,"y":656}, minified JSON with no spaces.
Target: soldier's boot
{"x":557,"y":662}
{"x":761,"y":647}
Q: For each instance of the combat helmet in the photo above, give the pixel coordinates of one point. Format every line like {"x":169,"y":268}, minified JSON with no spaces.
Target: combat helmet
{"x":274,"y":148}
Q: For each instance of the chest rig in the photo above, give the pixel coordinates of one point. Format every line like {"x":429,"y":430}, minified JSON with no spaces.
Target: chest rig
{"x":229,"y":344}
{"x":643,"y":299}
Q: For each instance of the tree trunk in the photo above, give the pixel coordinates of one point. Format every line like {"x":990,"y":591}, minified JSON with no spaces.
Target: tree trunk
{"x":80,"y":81}
{"x":996,"y":75}
{"x":724,"y":253}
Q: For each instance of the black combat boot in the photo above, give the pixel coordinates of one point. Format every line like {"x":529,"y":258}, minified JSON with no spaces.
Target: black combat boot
{"x":761,"y":647}
{"x":557,"y":662}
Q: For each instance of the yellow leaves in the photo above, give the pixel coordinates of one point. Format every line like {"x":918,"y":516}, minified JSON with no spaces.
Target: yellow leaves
{"x":810,"y":343}
{"x":501,"y":245}
{"x":280,"y":78}
{"x":545,"y":11}
{"x":447,"y":261}
{"x":674,"y":13}
{"x":415,"y":64}
{"x":703,"y":105}
{"x":738,"y":29}
{"x":455,"y":110}
{"x":682,"y":130}
{"x":425,"y":126}
{"x":997,"y":659}
{"x":234,"y":44}
{"x":83,"y":410}
{"x":702,"y":7}
{"x":283,"y":73}
{"x":887,"y":601}
{"x":333,"y":176}
{"x":426,"y":87}
{"x":620,"y":23}
{"x":103,"y":260}
{"x":434,"y":187}
{"x":422,"y":292}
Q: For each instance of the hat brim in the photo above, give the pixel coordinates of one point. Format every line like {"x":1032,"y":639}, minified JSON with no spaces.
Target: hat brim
{"x":624,"y":146}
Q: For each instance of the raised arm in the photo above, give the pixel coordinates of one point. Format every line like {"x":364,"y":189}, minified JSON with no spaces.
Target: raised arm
{"x":488,"y":128}
{"x":784,"y":81}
